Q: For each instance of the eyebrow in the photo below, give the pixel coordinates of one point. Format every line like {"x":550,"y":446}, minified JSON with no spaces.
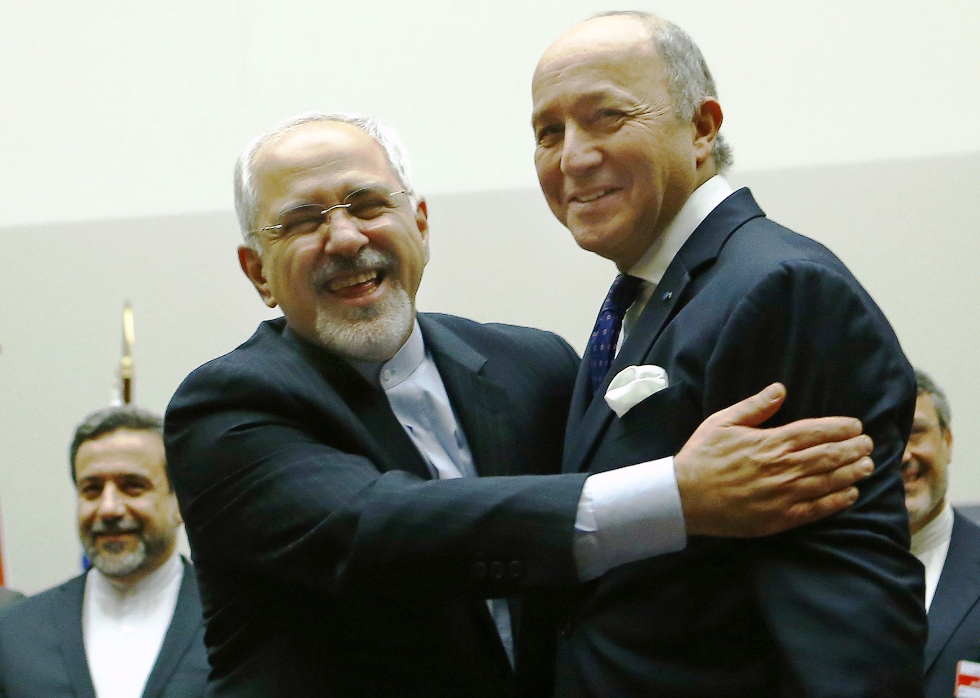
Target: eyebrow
{"x":589,"y":97}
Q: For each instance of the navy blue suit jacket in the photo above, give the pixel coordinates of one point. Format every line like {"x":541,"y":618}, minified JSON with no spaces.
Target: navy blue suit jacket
{"x":330,"y":563}
{"x":954,"y":616}
{"x":833,"y":609}
{"x":42,"y":653}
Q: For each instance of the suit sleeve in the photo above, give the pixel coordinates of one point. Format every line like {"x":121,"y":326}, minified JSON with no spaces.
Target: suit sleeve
{"x":843,"y":596}
{"x":276,"y":488}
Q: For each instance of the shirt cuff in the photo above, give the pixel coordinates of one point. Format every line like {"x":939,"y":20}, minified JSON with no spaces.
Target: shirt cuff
{"x":626,"y":515}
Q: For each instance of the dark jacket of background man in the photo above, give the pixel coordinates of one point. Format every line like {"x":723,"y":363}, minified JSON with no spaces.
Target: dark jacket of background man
{"x":42,"y":654}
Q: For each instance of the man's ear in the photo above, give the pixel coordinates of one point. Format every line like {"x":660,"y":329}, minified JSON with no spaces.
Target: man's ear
{"x":251,"y":263}
{"x":422,"y":221}
{"x":707,"y":121}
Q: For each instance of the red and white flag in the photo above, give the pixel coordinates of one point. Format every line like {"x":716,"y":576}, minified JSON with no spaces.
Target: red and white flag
{"x":967,"y":680}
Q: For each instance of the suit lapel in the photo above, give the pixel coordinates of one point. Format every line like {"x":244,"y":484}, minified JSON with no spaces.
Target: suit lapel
{"x":674,"y":291}
{"x":382,"y":435}
{"x":480,"y":405}
{"x":69,"y":624}
{"x":958,"y":590}
{"x":182,"y":631}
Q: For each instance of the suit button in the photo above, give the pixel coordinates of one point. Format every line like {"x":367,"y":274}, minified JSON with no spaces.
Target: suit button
{"x":496,"y":570}
{"x":515,"y":569}
{"x":567,"y":627}
{"x":480,"y":570}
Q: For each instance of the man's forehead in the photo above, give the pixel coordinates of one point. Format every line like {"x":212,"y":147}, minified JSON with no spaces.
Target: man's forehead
{"x":633,"y":74}
{"x":315,"y":150}
{"x":601,"y":35}
{"x":140,"y":449}
{"x":314,"y":143}
{"x":925,"y":408}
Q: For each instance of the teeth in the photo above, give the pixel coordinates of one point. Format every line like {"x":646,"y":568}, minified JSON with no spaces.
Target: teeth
{"x":591,"y":197}
{"x":348,"y":281}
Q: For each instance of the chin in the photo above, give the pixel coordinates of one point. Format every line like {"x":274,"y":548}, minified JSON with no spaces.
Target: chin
{"x":373,"y":333}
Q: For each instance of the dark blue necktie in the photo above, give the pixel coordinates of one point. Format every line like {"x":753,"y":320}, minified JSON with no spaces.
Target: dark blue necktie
{"x":605,"y":336}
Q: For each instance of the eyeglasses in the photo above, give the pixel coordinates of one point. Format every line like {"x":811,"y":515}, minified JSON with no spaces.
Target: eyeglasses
{"x":363,"y":206}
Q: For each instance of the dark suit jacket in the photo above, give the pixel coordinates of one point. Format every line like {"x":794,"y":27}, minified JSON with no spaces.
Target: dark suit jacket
{"x":954,"y":616}
{"x":831,"y":609}
{"x":42,"y":654}
{"x":329,"y":563}
{"x":9,"y":597}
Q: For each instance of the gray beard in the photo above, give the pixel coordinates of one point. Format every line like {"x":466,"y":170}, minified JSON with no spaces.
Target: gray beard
{"x":150,"y":550}
{"x":372,"y":333}
{"x":117,"y":565}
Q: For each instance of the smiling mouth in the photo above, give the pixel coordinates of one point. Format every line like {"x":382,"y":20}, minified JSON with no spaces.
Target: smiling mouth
{"x":355,"y":285}
{"x":589,"y":198}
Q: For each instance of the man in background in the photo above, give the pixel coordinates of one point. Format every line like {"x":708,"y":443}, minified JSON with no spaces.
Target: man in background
{"x":131,"y":626}
{"x":718,"y":302}
{"x":945,"y":541}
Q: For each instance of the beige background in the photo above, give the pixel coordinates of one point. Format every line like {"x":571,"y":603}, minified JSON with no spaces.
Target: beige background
{"x":121,"y":122}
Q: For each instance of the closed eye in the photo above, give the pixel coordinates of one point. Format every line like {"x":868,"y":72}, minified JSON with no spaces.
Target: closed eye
{"x":548,"y":135}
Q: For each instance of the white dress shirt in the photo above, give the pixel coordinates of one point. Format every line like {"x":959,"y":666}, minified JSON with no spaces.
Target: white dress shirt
{"x":635,"y":512}
{"x":930,"y":545}
{"x":418,"y":398}
{"x":123,"y":627}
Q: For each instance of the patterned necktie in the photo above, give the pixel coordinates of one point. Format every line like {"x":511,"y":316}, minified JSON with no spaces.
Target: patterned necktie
{"x":605,"y":336}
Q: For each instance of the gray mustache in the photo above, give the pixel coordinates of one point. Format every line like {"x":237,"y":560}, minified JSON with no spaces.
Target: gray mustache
{"x":365,"y":260}
{"x":102,"y":527}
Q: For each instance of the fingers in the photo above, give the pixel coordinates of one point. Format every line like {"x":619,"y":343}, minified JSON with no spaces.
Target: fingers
{"x":754,"y":410}
{"x":805,"y":433}
{"x":803,"y":513}
{"x":814,"y":487}
{"x":826,"y":457}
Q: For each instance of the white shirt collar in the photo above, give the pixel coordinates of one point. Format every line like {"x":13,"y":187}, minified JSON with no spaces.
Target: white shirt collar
{"x":399,"y":367}
{"x":123,"y":627}
{"x":699,"y":204}
{"x":935,"y":533}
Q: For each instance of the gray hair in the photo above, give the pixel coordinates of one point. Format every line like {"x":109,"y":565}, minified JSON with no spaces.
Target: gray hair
{"x":108,"y":420}
{"x":927,"y":386}
{"x":246,"y":198}
{"x":688,"y":76}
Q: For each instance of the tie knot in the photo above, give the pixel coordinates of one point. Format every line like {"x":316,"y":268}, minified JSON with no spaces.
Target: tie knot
{"x":623,"y":292}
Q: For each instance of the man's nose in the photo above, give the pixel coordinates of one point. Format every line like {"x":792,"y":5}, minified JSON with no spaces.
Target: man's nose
{"x":906,"y":456}
{"x":579,"y":151}
{"x":111,"y":503}
{"x":344,"y":237}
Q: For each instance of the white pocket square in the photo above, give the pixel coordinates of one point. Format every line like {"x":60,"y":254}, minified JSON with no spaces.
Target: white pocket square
{"x":632,"y":385}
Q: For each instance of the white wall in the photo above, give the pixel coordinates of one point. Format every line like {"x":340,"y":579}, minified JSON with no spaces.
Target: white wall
{"x":114,"y":108}
{"x":121,"y":121}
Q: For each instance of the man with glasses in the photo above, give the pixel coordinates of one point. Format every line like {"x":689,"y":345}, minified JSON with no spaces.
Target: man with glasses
{"x":327,"y":468}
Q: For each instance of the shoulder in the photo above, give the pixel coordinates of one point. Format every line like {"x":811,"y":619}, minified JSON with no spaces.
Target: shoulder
{"x":269,"y":364}
{"x":499,"y":336}
{"x":49,"y":603}
{"x":762,"y":245}
{"x":966,"y":530}
{"x":8,"y":597}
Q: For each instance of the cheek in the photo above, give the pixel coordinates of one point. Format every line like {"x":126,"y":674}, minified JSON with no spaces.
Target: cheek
{"x":549,"y":173}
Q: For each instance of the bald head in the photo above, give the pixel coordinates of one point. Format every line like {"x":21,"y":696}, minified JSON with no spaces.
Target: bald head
{"x":600,"y":34}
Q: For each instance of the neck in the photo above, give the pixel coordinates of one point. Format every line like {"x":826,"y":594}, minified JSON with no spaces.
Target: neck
{"x":915,"y":527}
